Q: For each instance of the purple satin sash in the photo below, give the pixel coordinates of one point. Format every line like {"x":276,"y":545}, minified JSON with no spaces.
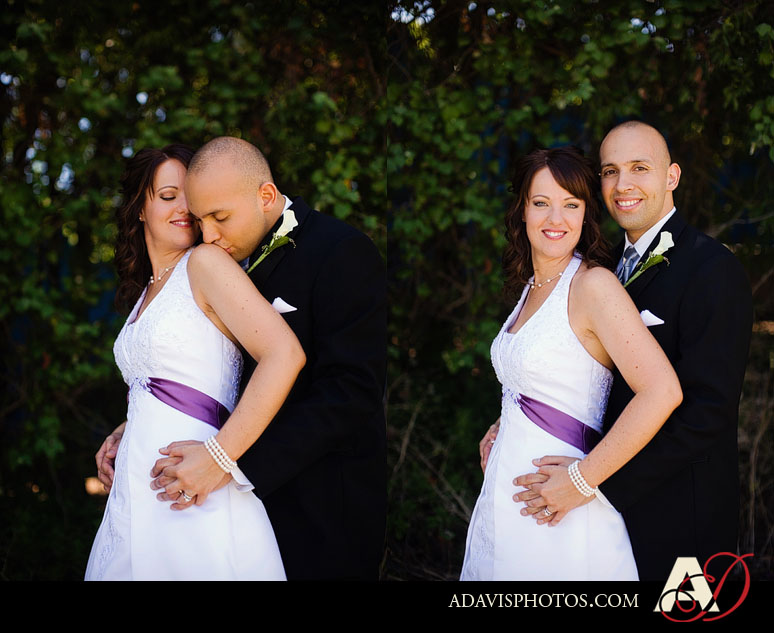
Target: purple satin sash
{"x":189,"y":401}
{"x":558,"y":423}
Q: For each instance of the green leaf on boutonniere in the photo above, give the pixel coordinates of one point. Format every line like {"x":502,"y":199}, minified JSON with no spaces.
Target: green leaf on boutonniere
{"x":656,"y":256}
{"x":279,"y":238}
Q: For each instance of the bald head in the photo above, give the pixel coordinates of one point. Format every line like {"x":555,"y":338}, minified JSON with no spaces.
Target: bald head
{"x":230,"y":189}
{"x":228,"y":151}
{"x":655,"y":137}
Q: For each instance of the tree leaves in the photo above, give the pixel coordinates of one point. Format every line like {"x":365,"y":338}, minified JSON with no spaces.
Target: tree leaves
{"x":471,"y":87}
{"x":85,"y":85}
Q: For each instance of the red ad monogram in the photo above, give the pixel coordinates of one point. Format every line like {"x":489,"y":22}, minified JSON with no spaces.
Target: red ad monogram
{"x":688,"y":589}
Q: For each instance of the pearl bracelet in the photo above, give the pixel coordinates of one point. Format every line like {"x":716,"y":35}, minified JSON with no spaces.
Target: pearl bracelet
{"x":219,"y":455}
{"x":580,"y":481}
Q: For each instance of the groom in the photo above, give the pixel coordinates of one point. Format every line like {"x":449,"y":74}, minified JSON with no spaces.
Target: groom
{"x":320,"y":466}
{"x":679,"y":496}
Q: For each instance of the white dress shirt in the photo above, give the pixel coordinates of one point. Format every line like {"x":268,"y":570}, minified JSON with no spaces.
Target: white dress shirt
{"x":647,"y":237}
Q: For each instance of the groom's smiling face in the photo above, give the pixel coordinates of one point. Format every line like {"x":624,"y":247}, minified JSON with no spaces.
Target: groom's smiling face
{"x":231,"y":213}
{"x":637,"y":177}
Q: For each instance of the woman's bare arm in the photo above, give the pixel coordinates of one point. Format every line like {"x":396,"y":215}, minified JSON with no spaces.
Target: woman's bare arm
{"x":230,"y":300}
{"x":606,"y":319}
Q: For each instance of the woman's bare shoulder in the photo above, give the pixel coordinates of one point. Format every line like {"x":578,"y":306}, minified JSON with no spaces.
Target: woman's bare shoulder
{"x":596,"y":283}
{"x":208,"y":259}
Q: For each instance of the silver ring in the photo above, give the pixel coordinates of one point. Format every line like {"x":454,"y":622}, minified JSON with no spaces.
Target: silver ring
{"x":546,"y":512}
{"x":185,"y":496}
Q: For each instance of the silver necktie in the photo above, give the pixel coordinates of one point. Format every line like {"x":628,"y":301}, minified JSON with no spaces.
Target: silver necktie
{"x":627,"y":263}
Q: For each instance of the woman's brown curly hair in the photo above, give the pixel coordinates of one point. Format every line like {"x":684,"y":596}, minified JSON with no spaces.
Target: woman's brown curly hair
{"x":132,"y":261}
{"x":574,"y":173}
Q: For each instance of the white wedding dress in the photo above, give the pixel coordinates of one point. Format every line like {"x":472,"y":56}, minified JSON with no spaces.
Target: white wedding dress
{"x":228,"y":537}
{"x":545,"y":361}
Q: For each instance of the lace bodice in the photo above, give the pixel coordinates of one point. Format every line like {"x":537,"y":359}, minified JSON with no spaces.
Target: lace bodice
{"x":545,"y":360}
{"x":173,"y":339}
{"x":228,"y":537}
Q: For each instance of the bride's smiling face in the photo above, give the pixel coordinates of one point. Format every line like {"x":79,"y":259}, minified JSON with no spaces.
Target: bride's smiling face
{"x":554,"y":217}
{"x":168,"y":224}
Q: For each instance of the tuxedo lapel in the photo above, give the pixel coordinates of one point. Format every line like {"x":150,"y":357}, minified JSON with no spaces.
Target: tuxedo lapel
{"x":264,"y":270}
{"x":639,"y":284}
{"x":618,"y":251}
{"x":675,"y":226}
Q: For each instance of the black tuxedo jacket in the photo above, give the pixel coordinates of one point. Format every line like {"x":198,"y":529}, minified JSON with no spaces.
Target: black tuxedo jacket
{"x":679,"y":496}
{"x":320,"y":466}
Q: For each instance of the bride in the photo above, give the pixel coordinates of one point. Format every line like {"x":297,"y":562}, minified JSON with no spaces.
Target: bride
{"x":553,"y":356}
{"x":178,"y":353}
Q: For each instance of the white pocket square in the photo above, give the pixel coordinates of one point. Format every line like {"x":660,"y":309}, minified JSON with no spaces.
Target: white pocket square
{"x":648,"y":318}
{"x":282,"y":306}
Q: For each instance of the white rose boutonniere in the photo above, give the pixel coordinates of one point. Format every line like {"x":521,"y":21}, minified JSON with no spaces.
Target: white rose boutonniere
{"x":280,"y":237}
{"x":656,"y":256}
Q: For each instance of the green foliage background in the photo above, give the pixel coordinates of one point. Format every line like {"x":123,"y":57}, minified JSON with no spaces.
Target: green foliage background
{"x":471,"y":85}
{"x":402,"y":119}
{"x":83,"y":83}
